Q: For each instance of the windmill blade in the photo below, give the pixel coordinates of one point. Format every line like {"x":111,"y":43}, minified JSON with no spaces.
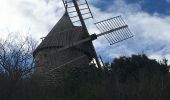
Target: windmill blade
{"x":83,"y":7}
{"x":114,"y":30}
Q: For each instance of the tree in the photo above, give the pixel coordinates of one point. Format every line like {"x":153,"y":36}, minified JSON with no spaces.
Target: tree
{"x":16,"y":60}
{"x":16,"y":65}
{"x":139,"y":77}
{"x":138,"y":67}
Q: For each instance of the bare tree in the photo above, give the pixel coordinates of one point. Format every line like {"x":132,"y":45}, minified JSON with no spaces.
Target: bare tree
{"x":16,"y":60}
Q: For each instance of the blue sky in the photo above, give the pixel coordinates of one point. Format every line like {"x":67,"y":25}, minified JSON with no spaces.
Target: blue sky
{"x":153,"y":6}
{"x":148,"y":20}
{"x":149,"y":6}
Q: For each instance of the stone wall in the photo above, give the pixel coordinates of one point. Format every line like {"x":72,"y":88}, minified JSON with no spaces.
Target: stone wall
{"x":51,"y":65}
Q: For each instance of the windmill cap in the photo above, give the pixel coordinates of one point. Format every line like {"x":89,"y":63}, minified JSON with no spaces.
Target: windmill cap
{"x":62,"y":24}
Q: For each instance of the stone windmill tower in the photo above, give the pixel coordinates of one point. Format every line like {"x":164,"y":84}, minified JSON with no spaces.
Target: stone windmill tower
{"x":68,"y":45}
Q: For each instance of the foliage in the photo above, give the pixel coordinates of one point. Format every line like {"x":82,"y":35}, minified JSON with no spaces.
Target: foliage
{"x":126,"y":78}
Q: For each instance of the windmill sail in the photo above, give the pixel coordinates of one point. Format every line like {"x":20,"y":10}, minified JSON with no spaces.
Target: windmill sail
{"x":114,"y":30}
{"x":83,"y":7}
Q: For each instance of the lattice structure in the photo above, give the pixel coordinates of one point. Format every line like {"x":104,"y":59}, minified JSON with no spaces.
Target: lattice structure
{"x":114,"y":30}
{"x":83,"y":7}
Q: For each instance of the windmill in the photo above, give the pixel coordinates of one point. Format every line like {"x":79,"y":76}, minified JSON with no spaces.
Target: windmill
{"x":68,"y":45}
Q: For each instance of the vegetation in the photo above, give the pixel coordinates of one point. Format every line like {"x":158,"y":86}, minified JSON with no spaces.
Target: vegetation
{"x":126,"y":78}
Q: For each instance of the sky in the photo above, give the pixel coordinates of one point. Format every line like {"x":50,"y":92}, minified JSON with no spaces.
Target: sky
{"x":148,"y":20}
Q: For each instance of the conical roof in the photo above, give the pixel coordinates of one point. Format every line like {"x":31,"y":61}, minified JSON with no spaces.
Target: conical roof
{"x":62,"y":24}
{"x":62,"y":34}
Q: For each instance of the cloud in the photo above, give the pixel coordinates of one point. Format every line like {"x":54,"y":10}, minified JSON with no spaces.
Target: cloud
{"x":152,"y":35}
{"x":35,"y":16}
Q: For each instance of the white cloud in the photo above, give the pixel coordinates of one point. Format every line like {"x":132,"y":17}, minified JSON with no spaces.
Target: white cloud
{"x":152,"y":27}
{"x":152,"y":35}
{"x":35,"y":16}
